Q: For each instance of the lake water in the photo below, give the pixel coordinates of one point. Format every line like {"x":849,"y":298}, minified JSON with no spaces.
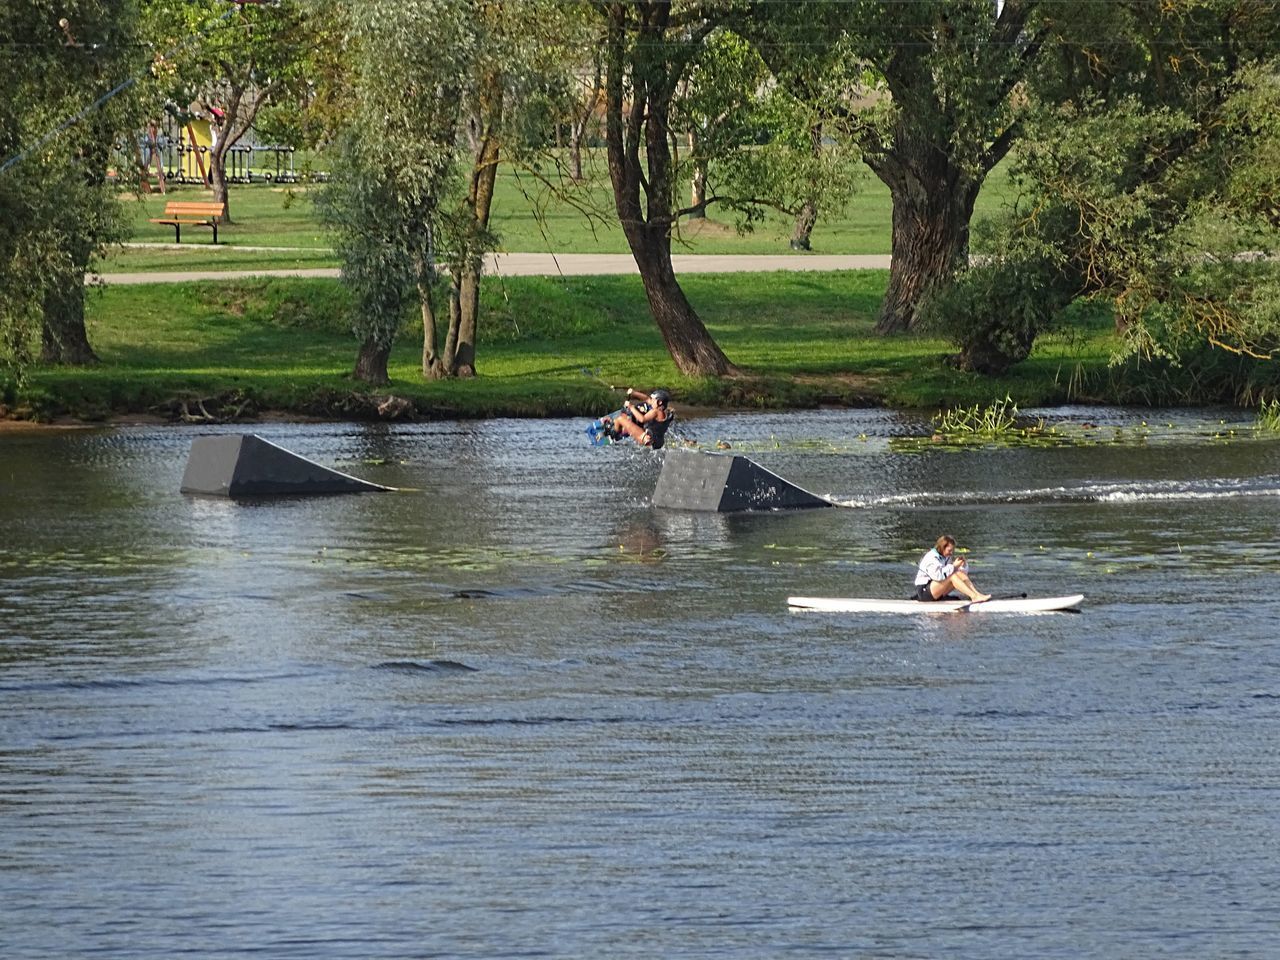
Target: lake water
{"x":516,"y":711}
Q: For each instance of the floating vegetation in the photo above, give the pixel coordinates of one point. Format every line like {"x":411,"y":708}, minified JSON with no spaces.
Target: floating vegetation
{"x":998,"y":423}
{"x":797,"y":444}
{"x":994,"y":420}
{"x":1002,"y":424}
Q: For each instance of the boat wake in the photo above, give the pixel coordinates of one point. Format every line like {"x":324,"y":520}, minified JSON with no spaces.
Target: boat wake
{"x":1134,"y":492}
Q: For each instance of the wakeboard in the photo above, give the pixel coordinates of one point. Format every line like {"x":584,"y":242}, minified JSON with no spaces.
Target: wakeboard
{"x":599,"y":433}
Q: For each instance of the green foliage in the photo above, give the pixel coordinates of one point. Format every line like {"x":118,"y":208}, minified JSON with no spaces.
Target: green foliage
{"x":1269,"y":415}
{"x":243,"y":58}
{"x":1156,"y":183}
{"x":395,"y":161}
{"x":995,"y":310}
{"x":370,"y":227}
{"x":57,"y":131}
{"x":992,"y":420}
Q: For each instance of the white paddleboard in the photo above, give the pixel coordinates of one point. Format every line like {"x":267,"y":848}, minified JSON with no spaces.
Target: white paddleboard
{"x":870,"y":605}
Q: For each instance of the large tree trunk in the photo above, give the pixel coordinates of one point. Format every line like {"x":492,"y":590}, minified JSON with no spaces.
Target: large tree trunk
{"x":63,"y":335}
{"x":932,"y":207}
{"x":371,"y":362}
{"x":691,"y":347}
{"x":468,"y":310}
{"x":636,"y":113}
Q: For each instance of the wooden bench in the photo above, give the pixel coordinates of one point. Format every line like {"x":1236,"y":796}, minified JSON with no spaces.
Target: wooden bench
{"x":191,"y":213}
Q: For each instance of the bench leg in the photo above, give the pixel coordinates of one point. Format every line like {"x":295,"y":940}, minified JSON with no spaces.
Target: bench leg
{"x":215,"y":234}
{"x":177,"y":233}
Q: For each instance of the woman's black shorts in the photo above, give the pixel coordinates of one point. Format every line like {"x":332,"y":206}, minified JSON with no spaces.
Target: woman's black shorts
{"x":924,"y":594}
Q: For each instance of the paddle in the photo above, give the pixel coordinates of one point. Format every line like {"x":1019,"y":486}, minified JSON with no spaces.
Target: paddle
{"x":1007,"y":596}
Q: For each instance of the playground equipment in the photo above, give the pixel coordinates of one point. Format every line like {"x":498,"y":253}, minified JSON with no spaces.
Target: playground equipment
{"x":179,"y":149}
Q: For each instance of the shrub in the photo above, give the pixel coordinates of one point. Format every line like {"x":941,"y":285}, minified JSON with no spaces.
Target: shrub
{"x":994,"y":311}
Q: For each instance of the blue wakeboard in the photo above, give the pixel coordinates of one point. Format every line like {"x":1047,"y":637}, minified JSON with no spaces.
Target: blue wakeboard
{"x":599,"y":434}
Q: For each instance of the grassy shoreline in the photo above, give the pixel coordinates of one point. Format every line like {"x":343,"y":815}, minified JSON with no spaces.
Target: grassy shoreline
{"x":241,"y":349}
{"x":549,"y":346}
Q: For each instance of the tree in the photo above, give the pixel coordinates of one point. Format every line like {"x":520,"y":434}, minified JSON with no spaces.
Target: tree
{"x":648,"y":51}
{"x":512,"y":61}
{"x":1150,"y":180}
{"x":937,"y":105}
{"x":792,"y":156}
{"x":715,"y":108}
{"x":395,"y":164}
{"x":68,"y":101}
{"x":238,"y":61}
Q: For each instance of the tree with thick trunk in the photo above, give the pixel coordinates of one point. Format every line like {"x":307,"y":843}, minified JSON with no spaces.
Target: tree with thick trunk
{"x":935,"y":110}
{"x":647,"y":52}
{"x":932,"y":205}
{"x":89,"y":221}
{"x":63,"y":337}
{"x":57,"y":131}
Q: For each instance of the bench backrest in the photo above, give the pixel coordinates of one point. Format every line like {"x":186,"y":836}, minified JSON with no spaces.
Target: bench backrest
{"x":189,"y":208}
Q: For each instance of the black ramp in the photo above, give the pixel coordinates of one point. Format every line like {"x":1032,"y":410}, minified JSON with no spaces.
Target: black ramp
{"x":245,"y":465}
{"x":720,"y":483}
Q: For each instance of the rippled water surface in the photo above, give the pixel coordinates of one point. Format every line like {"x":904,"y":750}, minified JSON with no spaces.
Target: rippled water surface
{"x":514,"y":710}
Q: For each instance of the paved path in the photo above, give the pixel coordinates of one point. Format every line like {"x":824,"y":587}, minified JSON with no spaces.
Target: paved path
{"x":564,"y":264}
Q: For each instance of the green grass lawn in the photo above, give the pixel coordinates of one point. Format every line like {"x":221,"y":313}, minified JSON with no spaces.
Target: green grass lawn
{"x":548,"y":346}
{"x":527,"y":216}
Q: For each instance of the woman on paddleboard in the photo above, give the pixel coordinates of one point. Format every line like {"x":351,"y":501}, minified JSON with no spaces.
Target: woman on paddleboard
{"x":941,"y":571}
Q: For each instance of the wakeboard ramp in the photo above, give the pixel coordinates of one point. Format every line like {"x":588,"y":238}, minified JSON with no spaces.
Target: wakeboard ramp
{"x":245,"y":465}
{"x":724,"y":483}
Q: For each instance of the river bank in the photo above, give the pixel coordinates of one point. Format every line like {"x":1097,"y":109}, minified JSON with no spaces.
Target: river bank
{"x":247,"y":348}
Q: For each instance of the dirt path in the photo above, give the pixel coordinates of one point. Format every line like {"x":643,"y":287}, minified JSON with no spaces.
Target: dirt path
{"x":564,"y":264}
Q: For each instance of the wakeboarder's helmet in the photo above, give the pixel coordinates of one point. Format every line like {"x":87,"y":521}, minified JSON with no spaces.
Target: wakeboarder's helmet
{"x":660,"y":397}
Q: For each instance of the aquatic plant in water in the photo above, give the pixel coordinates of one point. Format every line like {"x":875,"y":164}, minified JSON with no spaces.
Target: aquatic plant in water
{"x":998,"y":423}
{"x":990,"y":421}
{"x":1269,"y":416}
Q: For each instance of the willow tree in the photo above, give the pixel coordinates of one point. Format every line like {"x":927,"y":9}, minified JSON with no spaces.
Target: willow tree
{"x":1150,"y":181}
{"x":514,"y":57}
{"x":67,"y":79}
{"x":650,"y":47}
{"x":937,"y":105}
{"x":395,"y":175}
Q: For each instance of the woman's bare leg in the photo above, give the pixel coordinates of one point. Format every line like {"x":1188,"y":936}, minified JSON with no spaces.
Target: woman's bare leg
{"x":957,"y":581}
{"x":625,"y":424}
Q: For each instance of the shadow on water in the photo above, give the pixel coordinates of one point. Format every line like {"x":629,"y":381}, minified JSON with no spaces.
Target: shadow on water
{"x":427,"y":666}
